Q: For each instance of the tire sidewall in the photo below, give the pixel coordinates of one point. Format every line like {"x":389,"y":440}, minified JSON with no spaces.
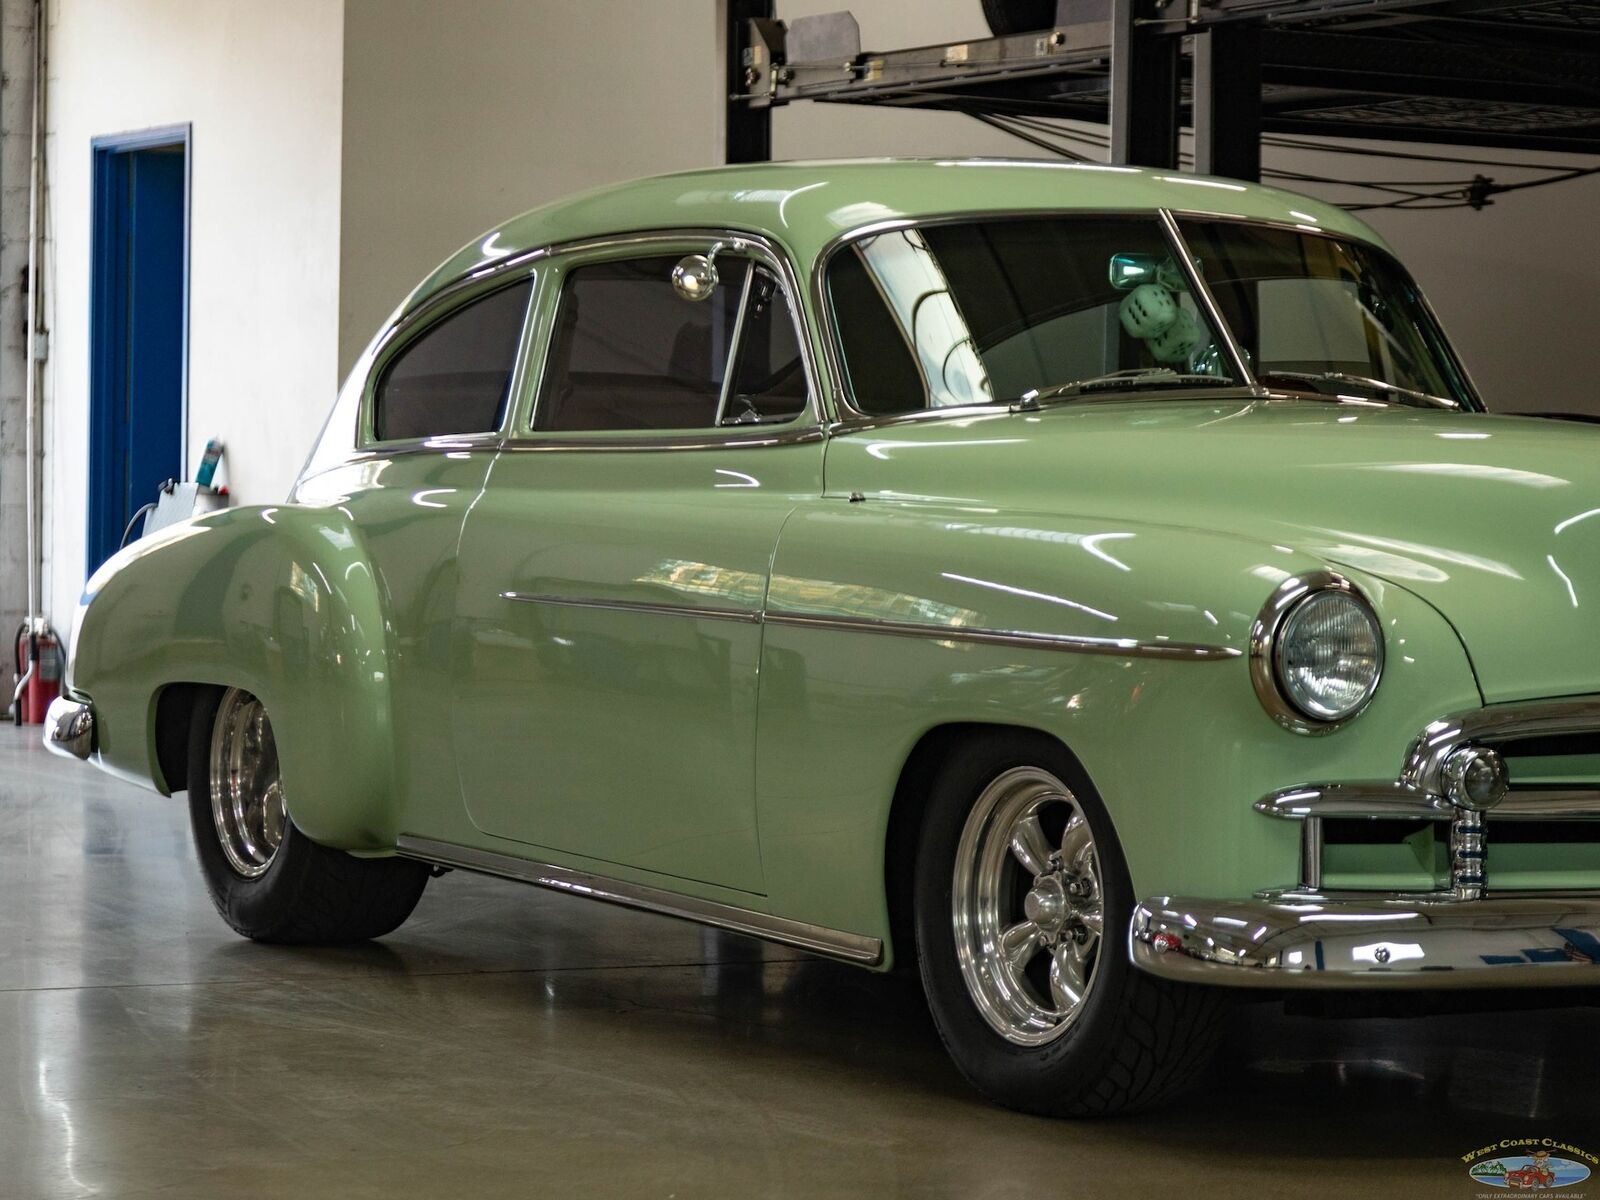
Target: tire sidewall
{"x":1034,"y":1077}
{"x":254,"y":907}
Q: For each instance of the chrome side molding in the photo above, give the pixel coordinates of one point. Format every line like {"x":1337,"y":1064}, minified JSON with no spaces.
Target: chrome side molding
{"x":1116,"y":647}
{"x":1017,"y":639}
{"x":832,"y":943}
{"x":749,"y":615}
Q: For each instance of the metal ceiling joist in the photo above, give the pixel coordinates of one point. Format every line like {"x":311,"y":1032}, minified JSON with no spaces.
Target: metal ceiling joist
{"x":1471,"y":72}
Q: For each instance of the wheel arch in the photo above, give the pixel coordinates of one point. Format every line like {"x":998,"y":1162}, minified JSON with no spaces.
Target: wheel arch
{"x":172,"y":713}
{"x":908,"y":808}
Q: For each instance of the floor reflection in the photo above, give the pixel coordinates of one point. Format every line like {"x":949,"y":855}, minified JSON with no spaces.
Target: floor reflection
{"x":508,"y":1041}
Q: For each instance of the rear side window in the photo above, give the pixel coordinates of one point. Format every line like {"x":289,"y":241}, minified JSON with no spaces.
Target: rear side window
{"x":629,"y":353}
{"x":456,"y":377}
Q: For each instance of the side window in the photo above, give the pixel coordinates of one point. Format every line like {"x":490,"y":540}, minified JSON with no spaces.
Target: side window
{"x":629,"y":353}
{"x":456,"y":377}
{"x":769,"y":376}
{"x":883,"y":374}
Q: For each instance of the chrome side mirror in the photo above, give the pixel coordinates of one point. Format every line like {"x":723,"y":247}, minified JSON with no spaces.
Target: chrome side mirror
{"x":695,"y":277}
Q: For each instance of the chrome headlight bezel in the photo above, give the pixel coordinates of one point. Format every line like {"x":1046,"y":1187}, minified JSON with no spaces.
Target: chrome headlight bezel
{"x":1266,"y":651}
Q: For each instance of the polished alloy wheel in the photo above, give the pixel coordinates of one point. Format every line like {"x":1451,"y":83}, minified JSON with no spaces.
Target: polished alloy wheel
{"x":246,"y":795}
{"x":1027,"y":908}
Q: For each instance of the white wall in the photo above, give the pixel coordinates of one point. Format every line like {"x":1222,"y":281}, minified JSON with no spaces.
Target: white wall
{"x":1516,"y":285}
{"x":458,"y":116}
{"x":260,"y":83}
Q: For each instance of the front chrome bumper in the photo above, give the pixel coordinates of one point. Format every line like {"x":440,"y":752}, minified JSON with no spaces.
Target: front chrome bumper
{"x":1307,"y":941}
{"x":69,"y":727}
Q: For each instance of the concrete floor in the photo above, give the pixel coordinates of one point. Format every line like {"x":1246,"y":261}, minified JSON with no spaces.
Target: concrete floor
{"x":508,"y":1041}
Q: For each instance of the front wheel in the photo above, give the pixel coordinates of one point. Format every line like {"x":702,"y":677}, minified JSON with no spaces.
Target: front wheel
{"x":268,"y":880}
{"x":1022,"y":903}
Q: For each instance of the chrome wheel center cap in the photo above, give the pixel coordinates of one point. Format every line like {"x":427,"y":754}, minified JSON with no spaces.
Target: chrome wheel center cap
{"x":1047,"y":905}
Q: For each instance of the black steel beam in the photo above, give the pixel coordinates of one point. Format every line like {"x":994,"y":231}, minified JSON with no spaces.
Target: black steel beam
{"x":1227,"y":101}
{"x":747,"y":128}
{"x":1144,"y":87}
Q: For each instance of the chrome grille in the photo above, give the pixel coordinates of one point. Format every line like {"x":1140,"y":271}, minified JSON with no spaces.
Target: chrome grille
{"x":1552,"y":753}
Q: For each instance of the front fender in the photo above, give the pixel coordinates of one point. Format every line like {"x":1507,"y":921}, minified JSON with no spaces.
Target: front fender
{"x":280,"y":601}
{"x":1180,"y":748}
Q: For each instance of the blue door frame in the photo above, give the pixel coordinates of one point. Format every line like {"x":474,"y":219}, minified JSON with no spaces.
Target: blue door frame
{"x":138,"y":327}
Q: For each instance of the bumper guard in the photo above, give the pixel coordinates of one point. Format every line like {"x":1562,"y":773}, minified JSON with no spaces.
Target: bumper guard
{"x":69,"y":727}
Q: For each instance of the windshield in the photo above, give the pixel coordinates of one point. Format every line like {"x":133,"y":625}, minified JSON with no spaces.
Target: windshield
{"x":1020,"y":310}
{"x":1309,"y":309}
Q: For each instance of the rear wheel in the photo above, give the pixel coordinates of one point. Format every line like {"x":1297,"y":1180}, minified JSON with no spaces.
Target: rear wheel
{"x":268,"y":880}
{"x":1022,"y":904}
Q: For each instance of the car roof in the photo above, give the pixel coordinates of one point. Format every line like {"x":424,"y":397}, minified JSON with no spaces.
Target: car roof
{"x":805,"y":205}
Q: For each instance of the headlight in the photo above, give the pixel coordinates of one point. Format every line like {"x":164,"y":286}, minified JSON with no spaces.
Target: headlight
{"x":1316,"y":653}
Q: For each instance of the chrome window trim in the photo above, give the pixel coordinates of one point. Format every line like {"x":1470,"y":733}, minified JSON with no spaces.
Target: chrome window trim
{"x":1207,"y":302}
{"x":833,"y":943}
{"x":846,"y":412}
{"x":694,"y":440}
{"x":463,"y":443}
{"x":735,"y":345}
{"x":466,"y":282}
{"x":806,"y":426}
{"x":417,"y":324}
{"x":848,"y":418}
{"x":1265,"y":650}
{"x":1474,"y":397}
{"x":858,"y":423}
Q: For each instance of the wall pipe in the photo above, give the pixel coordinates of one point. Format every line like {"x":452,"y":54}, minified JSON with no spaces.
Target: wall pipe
{"x":35,"y":348}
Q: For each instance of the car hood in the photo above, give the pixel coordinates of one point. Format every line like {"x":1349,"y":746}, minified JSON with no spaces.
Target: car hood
{"x":1494,"y":520}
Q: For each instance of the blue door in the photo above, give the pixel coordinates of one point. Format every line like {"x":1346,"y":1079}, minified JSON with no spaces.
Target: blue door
{"x":139,"y":315}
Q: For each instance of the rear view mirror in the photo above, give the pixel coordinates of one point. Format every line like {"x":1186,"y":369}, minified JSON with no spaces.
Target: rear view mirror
{"x":1127,"y":271}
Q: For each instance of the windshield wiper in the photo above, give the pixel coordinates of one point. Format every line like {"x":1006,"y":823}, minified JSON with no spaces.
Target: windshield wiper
{"x":1377,"y":385}
{"x":1136,"y":379}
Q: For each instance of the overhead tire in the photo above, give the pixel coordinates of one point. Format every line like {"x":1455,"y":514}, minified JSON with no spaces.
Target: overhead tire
{"x":268,"y":880}
{"x":1006,"y":17}
{"x":1129,"y":1040}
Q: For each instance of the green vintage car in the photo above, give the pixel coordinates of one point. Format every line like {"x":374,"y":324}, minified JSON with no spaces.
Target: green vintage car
{"x":1089,"y":586}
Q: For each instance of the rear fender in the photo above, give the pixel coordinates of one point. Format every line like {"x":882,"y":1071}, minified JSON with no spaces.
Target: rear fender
{"x":280,"y":601}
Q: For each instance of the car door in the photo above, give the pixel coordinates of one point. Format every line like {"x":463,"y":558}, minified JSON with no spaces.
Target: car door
{"x":613,"y":571}
{"x":405,"y":454}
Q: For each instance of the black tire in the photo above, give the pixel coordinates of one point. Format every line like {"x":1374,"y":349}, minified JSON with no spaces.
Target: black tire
{"x":309,"y":894}
{"x":1006,"y":17}
{"x":1136,"y":1041}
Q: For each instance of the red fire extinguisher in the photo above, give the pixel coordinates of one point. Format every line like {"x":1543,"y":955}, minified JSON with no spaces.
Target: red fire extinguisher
{"x":45,"y":685}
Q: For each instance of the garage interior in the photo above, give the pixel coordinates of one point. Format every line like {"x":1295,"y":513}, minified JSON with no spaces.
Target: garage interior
{"x":511,"y":1040}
